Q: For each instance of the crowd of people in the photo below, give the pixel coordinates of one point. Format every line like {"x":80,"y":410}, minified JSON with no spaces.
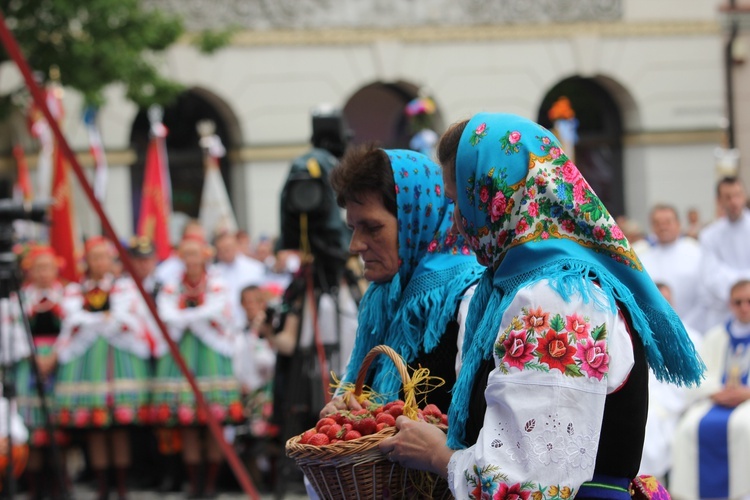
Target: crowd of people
{"x":112,"y":388}
{"x":568,"y":346}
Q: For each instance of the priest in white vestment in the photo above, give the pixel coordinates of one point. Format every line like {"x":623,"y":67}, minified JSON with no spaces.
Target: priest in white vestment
{"x":712,"y":443}
{"x":237,"y":270}
{"x":726,"y":252}
{"x":675,"y":261}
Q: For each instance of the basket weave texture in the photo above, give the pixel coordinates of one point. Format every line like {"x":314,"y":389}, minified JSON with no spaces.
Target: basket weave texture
{"x":357,"y":469}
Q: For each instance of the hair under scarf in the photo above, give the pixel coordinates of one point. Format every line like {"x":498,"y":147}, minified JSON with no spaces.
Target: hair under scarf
{"x":530,"y":215}
{"x":410,"y":312}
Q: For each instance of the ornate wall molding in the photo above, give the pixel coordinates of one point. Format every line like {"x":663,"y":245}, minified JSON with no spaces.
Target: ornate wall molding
{"x":317,"y":14}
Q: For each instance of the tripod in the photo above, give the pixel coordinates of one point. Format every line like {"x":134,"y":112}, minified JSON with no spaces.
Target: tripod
{"x":10,"y":280}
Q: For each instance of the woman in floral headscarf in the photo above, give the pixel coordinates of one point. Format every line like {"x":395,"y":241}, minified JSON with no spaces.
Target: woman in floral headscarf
{"x":420,"y":271}
{"x":552,"y":396}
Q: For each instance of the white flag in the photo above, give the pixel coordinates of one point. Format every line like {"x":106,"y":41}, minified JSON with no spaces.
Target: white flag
{"x":216,"y":215}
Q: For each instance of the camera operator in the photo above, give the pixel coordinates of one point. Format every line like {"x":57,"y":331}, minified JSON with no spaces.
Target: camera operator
{"x":316,"y":323}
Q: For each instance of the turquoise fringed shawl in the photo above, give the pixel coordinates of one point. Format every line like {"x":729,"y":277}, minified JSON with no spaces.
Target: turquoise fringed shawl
{"x":411,"y":312}
{"x":530,"y":215}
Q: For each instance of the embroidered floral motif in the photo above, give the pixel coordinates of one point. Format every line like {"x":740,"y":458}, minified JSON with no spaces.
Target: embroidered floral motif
{"x":509,"y":142}
{"x":538,"y":340}
{"x":489,"y":483}
{"x":479,"y":133}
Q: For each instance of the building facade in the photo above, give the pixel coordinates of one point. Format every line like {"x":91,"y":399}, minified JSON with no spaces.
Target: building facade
{"x":647,"y":79}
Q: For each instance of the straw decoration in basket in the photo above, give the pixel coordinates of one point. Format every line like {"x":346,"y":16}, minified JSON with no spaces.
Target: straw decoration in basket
{"x":357,"y":468}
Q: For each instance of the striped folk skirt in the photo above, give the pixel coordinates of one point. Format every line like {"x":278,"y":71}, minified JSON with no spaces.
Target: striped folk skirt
{"x":29,"y":402}
{"x":103,"y":387}
{"x":173,"y":401}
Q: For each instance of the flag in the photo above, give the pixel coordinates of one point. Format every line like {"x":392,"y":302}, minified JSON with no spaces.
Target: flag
{"x":62,"y":225}
{"x":97,"y":152}
{"x":215,"y":215}
{"x":41,"y":130}
{"x":153,"y":219}
{"x":22,"y":188}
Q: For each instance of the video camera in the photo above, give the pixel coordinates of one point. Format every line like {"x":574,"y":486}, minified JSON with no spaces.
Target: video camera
{"x":307,"y":192}
{"x":11,"y":211}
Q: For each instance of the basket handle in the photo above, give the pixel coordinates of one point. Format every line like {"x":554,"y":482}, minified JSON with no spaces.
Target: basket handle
{"x":410,"y":399}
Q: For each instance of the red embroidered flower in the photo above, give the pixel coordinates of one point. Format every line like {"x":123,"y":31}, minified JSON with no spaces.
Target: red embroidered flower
{"x":616,"y":232}
{"x":484,"y":194}
{"x":568,"y":225}
{"x":438,"y":190}
{"x":162,"y":413}
{"x":555,"y":152}
{"x":570,"y":173}
{"x":124,"y":415}
{"x":501,"y":238}
{"x":594,"y":358}
{"x":599,"y":233}
{"x":514,"y":492}
{"x":450,"y":239}
{"x":555,"y":350}
{"x":432,"y":246}
{"x":536,"y":319}
{"x":100,"y":417}
{"x":498,"y":206}
{"x":480,"y":129}
{"x":144,"y":414}
{"x":235,"y":412}
{"x":514,"y":137}
{"x":579,"y":191}
{"x":218,"y":411}
{"x":518,"y":352}
{"x":522,"y":226}
{"x":576,"y":324}
{"x":64,"y":417}
{"x":185,"y":415}
{"x":533,"y":209}
{"x":81,"y":417}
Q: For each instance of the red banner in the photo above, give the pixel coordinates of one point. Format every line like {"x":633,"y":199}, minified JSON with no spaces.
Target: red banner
{"x":62,"y":229}
{"x":23,"y":182}
{"x":153,"y":220}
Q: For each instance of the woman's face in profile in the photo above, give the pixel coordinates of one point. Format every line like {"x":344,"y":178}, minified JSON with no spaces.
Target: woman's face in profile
{"x":374,"y":237}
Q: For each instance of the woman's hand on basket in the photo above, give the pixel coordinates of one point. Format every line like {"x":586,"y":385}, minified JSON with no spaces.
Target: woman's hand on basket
{"x":418,"y":445}
{"x":340,"y":403}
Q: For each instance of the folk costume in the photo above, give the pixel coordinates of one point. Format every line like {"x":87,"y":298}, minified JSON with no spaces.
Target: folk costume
{"x":711,"y":443}
{"x":552,"y":395}
{"x":199,"y":319}
{"x":416,"y":312}
{"x":45,"y":312}
{"x":43,"y":299}
{"x":198,"y":314}
{"x":103,"y":354}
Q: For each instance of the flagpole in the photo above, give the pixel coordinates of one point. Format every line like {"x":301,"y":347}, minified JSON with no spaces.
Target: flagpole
{"x":11,"y":46}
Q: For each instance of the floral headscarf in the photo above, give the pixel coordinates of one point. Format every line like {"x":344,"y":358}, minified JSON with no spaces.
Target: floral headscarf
{"x":530,"y":215}
{"x":411,"y":311}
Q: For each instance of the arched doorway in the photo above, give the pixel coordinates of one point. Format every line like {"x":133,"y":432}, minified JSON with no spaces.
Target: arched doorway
{"x":184,"y":153}
{"x":598,"y":152}
{"x":377,"y":113}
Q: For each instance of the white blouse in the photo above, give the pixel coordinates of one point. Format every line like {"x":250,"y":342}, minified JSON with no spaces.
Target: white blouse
{"x":555,"y":363}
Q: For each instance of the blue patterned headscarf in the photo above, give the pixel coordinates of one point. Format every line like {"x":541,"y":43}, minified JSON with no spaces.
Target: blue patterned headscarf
{"x":410,"y":313}
{"x":530,"y":215}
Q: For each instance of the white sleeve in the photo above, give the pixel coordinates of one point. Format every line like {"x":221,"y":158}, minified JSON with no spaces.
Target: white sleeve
{"x":556,"y":361}
{"x":463,"y":312}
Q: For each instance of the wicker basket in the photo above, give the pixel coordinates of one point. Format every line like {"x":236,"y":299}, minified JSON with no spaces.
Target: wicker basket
{"x":357,"y":468}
